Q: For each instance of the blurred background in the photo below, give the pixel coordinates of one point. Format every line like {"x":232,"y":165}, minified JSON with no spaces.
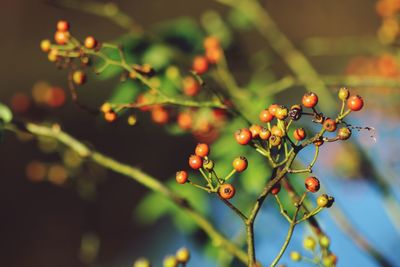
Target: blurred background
{"x":58,"y":211}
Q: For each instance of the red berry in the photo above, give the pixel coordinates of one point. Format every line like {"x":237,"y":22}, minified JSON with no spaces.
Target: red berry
{"x":272,"y":109}
{"x":312,"y":184}
{"x":90,"y":42}
{"x":355,"y":103}
{"x":195,"y":162}
{"x":202,"y":150}
{"x":299,"y":134}
{"x":61,"y":37}
{"x":309,"y":100}
{"x":181,"y":177}
{"x":200,"y":64}
{"x":191,"y":86}
{"x":62,"y":26}
{"x":240,"y":164}
{"x":266,"y":116}
{"x":255,"y":130}
{"x":330,"y":125}
{"x":226,"y":191}
{"x":159,"y":115}
{"x":55,"y":97}
{"x":275,"y":190}
{"x":243,"y":136}
{"x":265,"y":134}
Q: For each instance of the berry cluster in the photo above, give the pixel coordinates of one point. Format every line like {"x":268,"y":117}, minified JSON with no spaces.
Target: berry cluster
{"x":181,"y":257}
{"x":214,"y":184}
{"x":389,"y":10}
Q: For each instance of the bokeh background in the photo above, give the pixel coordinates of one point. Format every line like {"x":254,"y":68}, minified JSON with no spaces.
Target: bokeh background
{"x":49,"y":224}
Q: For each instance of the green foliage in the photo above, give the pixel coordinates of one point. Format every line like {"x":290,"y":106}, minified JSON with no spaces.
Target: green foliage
{"x":5,"y":117}
{"x":125,"y":92}
{"x":158,"y":56}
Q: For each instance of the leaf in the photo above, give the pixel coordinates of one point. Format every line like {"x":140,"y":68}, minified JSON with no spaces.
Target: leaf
{"x":125,"y":92}
{"x":5,"y":113}
{"x":152,"y":207}
{"x":158,"y":56}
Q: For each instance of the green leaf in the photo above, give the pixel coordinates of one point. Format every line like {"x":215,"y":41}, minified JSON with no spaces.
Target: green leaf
{"x":152,"y":207}
{"x":5,"y":113}
{"x":239,"y":20}
{"x":125,"y":92}
{"x":158,"y":56}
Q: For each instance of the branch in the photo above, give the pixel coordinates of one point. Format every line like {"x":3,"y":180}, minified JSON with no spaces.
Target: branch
{"x":134,"y":173}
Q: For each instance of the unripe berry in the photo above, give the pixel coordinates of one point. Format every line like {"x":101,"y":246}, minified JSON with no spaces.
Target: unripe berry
{"x":132,"y":120}
{"x":183,"y":255}
{"x":324,"y":241}
{"x":355,"y":103}
{"x":329,"y":260}
{"x":343,"y":93}
{"x":275,"y":140}
{"x":295,"y":256}
{"x":195,"y":162}
{"x":312,"y":184}
{"x":106,"y":107}
{"x":170,"y":261}
{"x":200,"y":64}
{"x":299,"y":134}
{"x":322,"y":200}
{"x":181,"y":177}
{"x":142,"y":262}
{"x":90,"y":42}
{"x":226,"y":191}
{"x":310,"y":100}
{"x":208,"y":164}
{"x":344,"y":133}
{"x":266,"y":116}
{"x":243,"y":136}
{"x":255,"y":130}
{"x":202,"y":150}
{"x":281,"y":113}
{"x":62,"y":26}
{"x":240,"y":164}
{"x":265,"y":134}
{"x":309,"y":243}
{"x":45,"y":45}
{"x":79,"y":77}
{"x":329,"y":125}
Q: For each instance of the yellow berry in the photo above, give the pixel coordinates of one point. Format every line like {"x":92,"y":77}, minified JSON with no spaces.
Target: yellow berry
{"x":45,"y":45}
{"x":183,"y":255}
{"x":295,"y":256}
{"x":309,"y":243}
{"x":170,"y":261}
{"x":324,"y":241}
{"x":142,"y":262}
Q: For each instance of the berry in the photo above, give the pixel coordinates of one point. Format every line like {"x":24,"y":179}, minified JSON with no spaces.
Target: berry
{"x":319,"y":142}
{"x":213,"y":55}
{"x":281,"y":113}
{"x":240,"y":164}
{"x":272,"y":108}
{"x":202,"y":150}
{"x":142,"y":262}
{"x":329,"y":125}
{"x":55,"y":97}
{"x":200,"y":64}
{"x":181,"y":177}
{"x":61,"y":38}
{"x":355,"y":103}
{"x":309,"y":243}
{"x":295,"y":112}
{"x":79,"y":77}
{"x":62,"y":26}
{"x":324,"y":241}
{"x":344,"y":133}
{"x":184,"y":120}
{"x":243,"y":136}
{"x":208,"y":164}
{"x":226,"y":191}
{"x":295,"y":256}
{"x":53,"y":55}
{"x":183,"y":255}
{"x":265,"y":134}
{"x":131,"y":120}
{"x":275,"y":140}
{"x":195,"y":162}
{"x":110,"y":116}
{"x":90,"y":42}
{"x":323,"y":200}
{"x":191,"y":86}
{"x":312,"y":184}
{"x":266,"y":116}
{"x":170,"y":261}
{"x":106,"y":107}
{"x":299,"y":134}
{"x":343,"y":93}
{"x":310,"y":100}
{"x":255,"y":130}
{"x":45,"y":45}
{"x":160,"y":115}
{"x":277,"y":131}
{"x":276,"y":189}
{"x":211,"y":42}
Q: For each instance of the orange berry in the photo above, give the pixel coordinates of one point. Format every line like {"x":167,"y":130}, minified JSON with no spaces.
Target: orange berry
{"x":211,"y":42}
{"x":299,"y":134}
{"x":200,"y":64}
{"x":191,"y":86}
{"x":110,"y":116}
{"x":240,"y":164}
{"x":277,"y":131}
{"x":243,"y":136}
{"x":330,"y":125}
{"x":62,"y":26}
{"x":195,"y":162}
{"x":61,"y":38}
{"x":355,"y":103}
{"x":265,"y":134}
{"x":226,"y":191}
{"x":266,"y":116}
{"x":213,"y":55}
{"x":184,"y":120}
{"x":181,"y":177}
{"x":159,"y":115}
{"x":79,"y":77}
{"x":312,"y":184}
{"x":272,"y":108}
{"x":255,"y":130}
{"x":202,"y":150}
{"x":90,"y":42}
{"x":310,"y":100}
